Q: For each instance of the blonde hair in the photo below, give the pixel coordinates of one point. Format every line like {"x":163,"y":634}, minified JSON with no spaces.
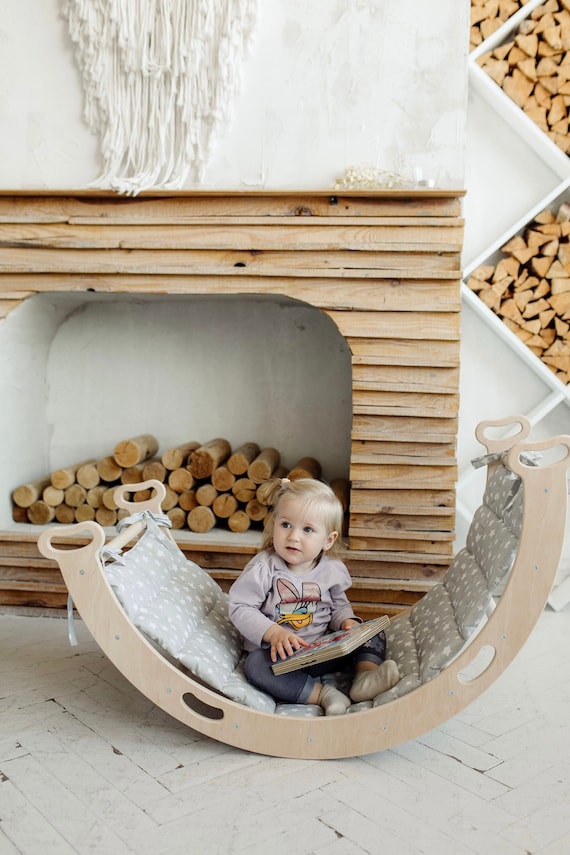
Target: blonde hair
{"x":316,"y":495}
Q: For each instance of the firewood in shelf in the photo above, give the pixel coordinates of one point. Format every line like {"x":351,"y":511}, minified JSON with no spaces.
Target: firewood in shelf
{"x":536,"y":305}
{"x":105,"y":516}
{"x":65,"y":514}
{"x":108,"y":499}
{"x":561,"y":304}
{"x":40,"y":513}
{"x":154,"y":470}
{"x":177,"y":517}
{"x":53,"y":496}
{"x":518,"y":87}
{"x":84,"y":513}
{"x":187,"y":500}
{"x":181,"y":480}
{"x":75,"y":495}
{"x":26,"y":494}
{"x":142,"y":495}
{"x":65,"y":477}
{"x":306,"y":467}
{"x":239,"y":461}
{"x":538,"y":74}
{"x":132,"y":474}
{"x":129,"y":452}
{"x":244,"y":490}
{"x":239,"y":521}
{"x":171,"y":499}
{"x":541,"y":265}
{"x":109,"y":470}
{"x":222,"y":479}
{"x":206,"y":494}
{"x":262,"y":467}
{"x":177,"y":457}
{"x":207,"y":457}
{"x":19,"y":515}
{"x":94,"y":496}
{"x":201,"y":519}
{"x":256,"y":511}
{"x":560,"y":285}
{"x":87,"y":475}
{"x":533,"y":308}
{"x":224,"y":505}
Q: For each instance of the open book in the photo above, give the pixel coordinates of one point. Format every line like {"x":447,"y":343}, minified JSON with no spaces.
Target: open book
{"x":331,"y":646}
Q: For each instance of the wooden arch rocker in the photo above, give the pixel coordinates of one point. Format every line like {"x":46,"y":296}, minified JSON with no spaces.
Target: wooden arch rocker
{"x":529,"y":504}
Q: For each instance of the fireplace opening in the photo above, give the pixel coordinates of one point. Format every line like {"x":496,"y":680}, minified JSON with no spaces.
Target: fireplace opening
{"x":84,"y":371}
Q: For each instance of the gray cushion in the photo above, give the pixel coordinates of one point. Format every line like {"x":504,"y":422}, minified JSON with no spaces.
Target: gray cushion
{"x":435,"y":630}
{"x":183,"y":611}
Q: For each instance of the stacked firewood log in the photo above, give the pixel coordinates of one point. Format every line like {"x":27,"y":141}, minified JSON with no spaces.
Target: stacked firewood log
{"x":533,"y":68}
{"x":207,"y":485}
{"x":529,"y":288}
{"x":488,"y":15}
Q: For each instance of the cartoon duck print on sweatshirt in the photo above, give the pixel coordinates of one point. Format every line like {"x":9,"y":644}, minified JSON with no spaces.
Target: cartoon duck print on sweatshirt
{"x":297,"y":607}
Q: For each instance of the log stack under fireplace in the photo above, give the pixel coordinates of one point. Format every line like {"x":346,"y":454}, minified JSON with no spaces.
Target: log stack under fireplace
{"x":208,"y":485}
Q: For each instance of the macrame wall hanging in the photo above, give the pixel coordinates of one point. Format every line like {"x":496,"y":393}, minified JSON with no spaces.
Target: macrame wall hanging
{"x":159,"y":78}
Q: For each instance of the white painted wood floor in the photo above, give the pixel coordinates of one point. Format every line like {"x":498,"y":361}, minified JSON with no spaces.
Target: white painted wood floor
{"x":88,"y":765}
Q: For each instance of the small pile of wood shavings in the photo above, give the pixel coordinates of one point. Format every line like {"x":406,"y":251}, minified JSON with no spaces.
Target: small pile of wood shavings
{"x":369,"y":177}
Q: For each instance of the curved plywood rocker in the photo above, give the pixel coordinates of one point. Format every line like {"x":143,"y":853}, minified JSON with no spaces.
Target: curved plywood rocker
{"x":485,"y":609}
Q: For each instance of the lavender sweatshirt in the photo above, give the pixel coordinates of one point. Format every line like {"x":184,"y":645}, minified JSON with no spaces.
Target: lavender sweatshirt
{"x":267,"y":591}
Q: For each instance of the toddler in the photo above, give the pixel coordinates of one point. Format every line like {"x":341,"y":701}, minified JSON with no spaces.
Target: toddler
{"x":293,"y":592}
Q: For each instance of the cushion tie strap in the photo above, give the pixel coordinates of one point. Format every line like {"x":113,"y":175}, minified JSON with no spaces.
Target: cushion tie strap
{"x":70,"y":625}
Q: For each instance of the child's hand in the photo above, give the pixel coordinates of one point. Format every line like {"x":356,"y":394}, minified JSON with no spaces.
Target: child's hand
{"x":283,"y":642}
{"x":349,"y":623}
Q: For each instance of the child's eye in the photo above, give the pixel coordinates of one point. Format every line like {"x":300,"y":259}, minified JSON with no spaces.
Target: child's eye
{"x":308,"y":529}
{"x":285,"y":525}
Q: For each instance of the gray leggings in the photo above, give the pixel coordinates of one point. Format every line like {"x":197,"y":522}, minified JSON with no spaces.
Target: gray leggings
{"x":296,"y":686}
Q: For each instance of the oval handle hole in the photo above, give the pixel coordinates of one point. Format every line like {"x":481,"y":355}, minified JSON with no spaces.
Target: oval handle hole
{"x":479,"y":664}
{"x":202,"y":708}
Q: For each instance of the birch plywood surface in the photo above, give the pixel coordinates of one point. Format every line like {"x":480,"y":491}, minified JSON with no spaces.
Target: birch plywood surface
{"x":384,"y":266}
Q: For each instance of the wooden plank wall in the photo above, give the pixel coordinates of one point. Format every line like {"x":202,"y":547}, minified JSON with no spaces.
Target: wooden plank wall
{"x":384,"y":266}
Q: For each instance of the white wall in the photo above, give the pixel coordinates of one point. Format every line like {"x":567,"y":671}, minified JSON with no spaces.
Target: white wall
{"x":327,"y":84}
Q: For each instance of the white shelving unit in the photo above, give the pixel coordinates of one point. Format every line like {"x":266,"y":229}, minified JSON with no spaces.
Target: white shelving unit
{"x":514,"y":171}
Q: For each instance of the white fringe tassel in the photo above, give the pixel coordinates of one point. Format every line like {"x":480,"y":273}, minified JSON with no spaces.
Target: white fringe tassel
{"x":159,"y":78}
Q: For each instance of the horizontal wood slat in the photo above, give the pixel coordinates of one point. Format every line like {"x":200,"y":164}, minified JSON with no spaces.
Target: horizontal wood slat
{"x":269,"y":236}
{"x":382,"y":378}
{"x":390,"y":351}
{"x":444,"y":326}
{"x":385,"y":266}
{"x":322,"y":292}
{"x":428,"y":502}
{"x":233,"y":262}
{"x":404,"y":429}
{"x":167,"y":208}
{"x":370,"y":451}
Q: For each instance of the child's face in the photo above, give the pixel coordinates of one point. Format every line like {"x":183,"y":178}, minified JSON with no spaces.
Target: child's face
{"x":299,"y":535}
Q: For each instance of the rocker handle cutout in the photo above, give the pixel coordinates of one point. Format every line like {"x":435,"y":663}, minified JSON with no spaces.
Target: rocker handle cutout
{"x":500,"y":434}
{"x":552,"y":453}
{"x":482,"y":660}
{"x":201,"y":708}
{"x":88,"y":527}
{"x":154,"y":504}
